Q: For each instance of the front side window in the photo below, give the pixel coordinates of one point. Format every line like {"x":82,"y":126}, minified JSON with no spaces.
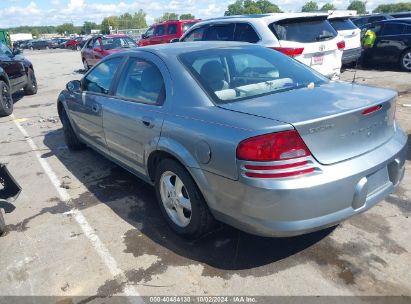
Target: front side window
{"x":195,"y":35}
{"x":160,"y":30}
{"x":223,"y":32}
{"x":233,"y":74}
{"x":342,"y":24}
{"x":392,"y":29}
{"x":172,"y":29}
{"x":100,"y":78}
{"x":303,"y":30}
{"x":246,"y":33}
{"x":4,"y":50}
{"x":149,"y":32}
{"x":96,"y":43}
{"x":187,"y":25}
{"x":141,"y":81}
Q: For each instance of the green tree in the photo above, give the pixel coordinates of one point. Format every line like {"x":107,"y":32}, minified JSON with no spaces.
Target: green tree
{"x":358,"y":6}
{"x":139,"y":19}
{"x":167,"y":16}
{"x":310,"y":6}
{"x":107,"y":23}
{"x":328,"y":7}
{"x":243,"y":7}
{"x":187,"y":17}
{"x":393,"y":8}
{"x":66,"y":29}
{"x":87,"y":27}
{"x":35,"y":32}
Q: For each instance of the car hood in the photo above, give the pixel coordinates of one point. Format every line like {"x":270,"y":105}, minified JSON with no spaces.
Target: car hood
{"x":330,"y":117}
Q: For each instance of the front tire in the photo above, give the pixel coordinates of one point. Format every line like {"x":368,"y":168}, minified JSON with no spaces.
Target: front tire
{"x":180,"y":200}
{"x":2,"y":223}
{"x":405,"y":61}
{"x":70,"y":137}
{"x":6,"y":100}
{"x":31,"y":87}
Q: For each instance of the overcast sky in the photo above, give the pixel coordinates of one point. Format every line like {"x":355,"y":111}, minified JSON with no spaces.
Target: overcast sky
{"x":54,"y":12}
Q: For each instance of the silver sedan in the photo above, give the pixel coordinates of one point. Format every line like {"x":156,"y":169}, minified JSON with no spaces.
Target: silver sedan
{"x":240,"y":134}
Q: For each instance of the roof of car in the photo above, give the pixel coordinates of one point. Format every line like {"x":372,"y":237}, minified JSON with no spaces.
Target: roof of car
{"x":402,"y":20}
{"x":269,"y":17}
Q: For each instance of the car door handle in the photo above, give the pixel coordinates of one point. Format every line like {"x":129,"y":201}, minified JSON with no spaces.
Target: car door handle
{"x":148,"y":122}
{"x":95,"y":108}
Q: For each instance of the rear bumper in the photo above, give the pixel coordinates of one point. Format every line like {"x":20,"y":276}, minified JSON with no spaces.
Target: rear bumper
{"x":351,"y":55}
{"x":297,"y":206}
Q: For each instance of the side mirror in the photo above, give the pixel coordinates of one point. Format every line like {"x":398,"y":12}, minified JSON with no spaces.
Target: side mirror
{"x":143,"y":36}
{"x":174,"y":40}
{"x":97,"y":49}
{"x":16,"y":51}
{"x":73,"y":86}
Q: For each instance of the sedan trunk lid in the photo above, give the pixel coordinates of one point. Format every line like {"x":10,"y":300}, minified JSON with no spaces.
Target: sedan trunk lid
{"x":332,"y":119}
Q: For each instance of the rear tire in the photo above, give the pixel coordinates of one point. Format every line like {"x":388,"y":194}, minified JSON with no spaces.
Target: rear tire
{"x":405,"y":61}
{"x":70,"y":137}
{"x":171,"y":199}
{"x":6,"y":100}
{"x":2,"y":223}
{"x":31,"y":87}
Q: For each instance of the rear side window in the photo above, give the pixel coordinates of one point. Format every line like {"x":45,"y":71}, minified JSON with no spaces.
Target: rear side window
{"x":99,"y":80}
{"x":195,"y":35}
{"x":160,"y":30}
{"x":303,"y":30}
{"x":245,"y":32}
{"x":342,"y":24}
{"x":187,"y":25}
{"x":172,"y":29}
{"x":141,"y":81}
{"x":360,"y":21}
{"x":393,"y":29}
{"x":220,"y":32}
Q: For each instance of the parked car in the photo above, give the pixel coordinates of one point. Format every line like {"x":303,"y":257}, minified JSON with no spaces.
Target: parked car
{"x":101,"y":46}
{"x":239,"y":133}
{"x":16,"y":73}
{"x":308,"y":37}
{"x":352,"y":37}
{"x":364,"y":21}
{"x":401,"y":15}
{"x":75,"y":44}
{"x":392,"y":44}
{"x":9,"y":191}
{"x":39,"y":45}
{"x":165,"y":31}
{"x":57,"y":43}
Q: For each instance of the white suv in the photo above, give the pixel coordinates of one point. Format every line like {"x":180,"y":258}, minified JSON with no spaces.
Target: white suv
{"x":351,"y":35}
{"x":308,"y":37}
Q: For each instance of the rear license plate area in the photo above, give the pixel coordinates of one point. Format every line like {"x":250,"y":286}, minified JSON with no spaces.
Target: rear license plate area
{"x":377,"y":181}
{"x":317,"y":59}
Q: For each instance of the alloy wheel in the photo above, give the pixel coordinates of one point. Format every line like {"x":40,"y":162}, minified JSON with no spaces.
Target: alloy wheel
{"x":6,"y":97}
{"x":175,"y":199}
{"x":406,"y":61}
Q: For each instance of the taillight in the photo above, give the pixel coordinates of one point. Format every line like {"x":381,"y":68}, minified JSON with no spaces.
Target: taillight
{"x":273,"y":147}
{"x":289,"y":51}
{"x":341,"y":45}
{"x":371,"y":110}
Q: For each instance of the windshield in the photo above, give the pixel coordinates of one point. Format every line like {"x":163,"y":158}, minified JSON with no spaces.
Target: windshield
{"x":342,"y":24}
{"x":4,"y":49}
{"x":233,"y":74}
{"x":187,"y":25}
{"x":303,"y":29}
{"x":110,"y":43}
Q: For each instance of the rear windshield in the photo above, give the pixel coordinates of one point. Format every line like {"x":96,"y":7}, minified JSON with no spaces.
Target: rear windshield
{"x":303,"y":29}
{"x":110,"y":43}
{"x":342,"y":24}
{"x":233,"y":74}
{"x":187,"y":25}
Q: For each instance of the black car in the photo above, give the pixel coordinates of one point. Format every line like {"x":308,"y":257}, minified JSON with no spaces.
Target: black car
{"x":39,"y":45}
{"x":16,"y":73}
{"x":364,"y":21}
{"x":401,"y":15}
{"x":9,"y":191}
{"x":393,"y":43}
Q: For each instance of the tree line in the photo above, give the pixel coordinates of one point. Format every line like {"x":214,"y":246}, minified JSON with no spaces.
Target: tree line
{"x":137,"y":20}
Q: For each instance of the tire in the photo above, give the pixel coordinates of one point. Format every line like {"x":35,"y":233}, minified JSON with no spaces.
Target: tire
{"x":2,"y":223}
{"x":31,"y":48}
{"x":171,"y":199}
{"x":31,"y":87}
{"x":405,"y":61}
{"x":70,"y":137}
{"x":6,"y":100}
{"x":85,"y":65}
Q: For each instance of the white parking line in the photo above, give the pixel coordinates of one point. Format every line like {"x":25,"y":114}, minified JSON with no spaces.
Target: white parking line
{"x":88,"y":231}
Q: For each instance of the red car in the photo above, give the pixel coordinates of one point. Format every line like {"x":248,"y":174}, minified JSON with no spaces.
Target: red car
{"x":74,"y":44}
{"x":165,"y":31}
{"x":102,"y":46}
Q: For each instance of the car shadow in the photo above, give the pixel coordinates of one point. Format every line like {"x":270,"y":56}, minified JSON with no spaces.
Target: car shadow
{"x":134,"y":201}
{"x":17,"y":96}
